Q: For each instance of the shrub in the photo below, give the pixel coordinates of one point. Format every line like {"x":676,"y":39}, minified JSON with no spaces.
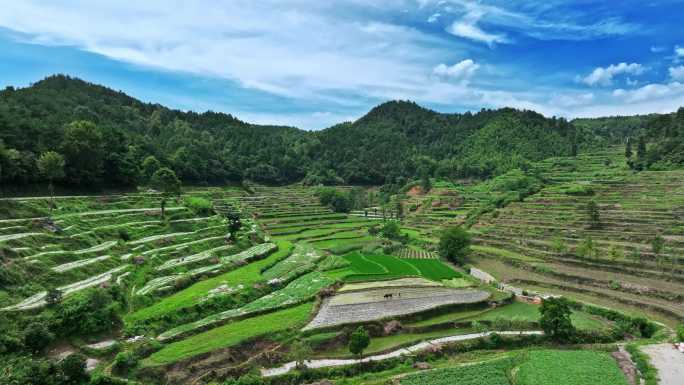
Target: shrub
{"x":125,"y":361}
{"x":680,"y":333}
{"x":73,"y":369}
{"x":199,"y":205}
{"x":124,"y":236}
{"x":37,"y":336}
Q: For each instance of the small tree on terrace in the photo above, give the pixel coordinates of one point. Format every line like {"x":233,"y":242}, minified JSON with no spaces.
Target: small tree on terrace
{"x":454,"y":244}
{"x":657,"y":245}
{"x":165,"y":181}
{"x":555,"y":319}
{"x":359,"y":341}
{"x":299,"y":352}
{"x":234,"y":224}
{"x":51,"y":165}
{"x":400,"y":209}
{"x":594,"y":215}
{"x":628,"y":149}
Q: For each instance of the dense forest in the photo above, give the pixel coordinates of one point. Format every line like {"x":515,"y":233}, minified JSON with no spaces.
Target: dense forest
{"x":109,"y":138}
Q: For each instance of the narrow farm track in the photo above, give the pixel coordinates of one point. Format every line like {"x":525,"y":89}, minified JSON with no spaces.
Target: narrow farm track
{"x":326,"y":363}
{"x":668,"y":361}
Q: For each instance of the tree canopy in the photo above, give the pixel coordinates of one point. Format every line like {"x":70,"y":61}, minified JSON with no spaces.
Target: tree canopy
{"x":395,"y":140}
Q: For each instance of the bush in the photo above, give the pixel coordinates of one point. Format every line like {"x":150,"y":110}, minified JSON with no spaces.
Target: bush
{"x":73,"y":369}
{"x":124,"y":236}
{"x":125,"y":361}
{"x":680,"y":333}
{"x":199,"y":205}
{"x":37,"y":336}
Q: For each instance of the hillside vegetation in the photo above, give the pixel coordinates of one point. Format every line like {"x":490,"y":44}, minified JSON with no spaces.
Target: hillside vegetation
{"x":106,"y":136}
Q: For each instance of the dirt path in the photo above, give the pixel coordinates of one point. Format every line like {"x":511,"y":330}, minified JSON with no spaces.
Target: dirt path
{"x":668,"y":361}
{"x":323,"y":363}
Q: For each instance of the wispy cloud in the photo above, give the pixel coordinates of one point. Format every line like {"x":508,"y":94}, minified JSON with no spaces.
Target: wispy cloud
{"x":340,"y":58}
{"x":467,"y":27}
{"x":677,"y":73}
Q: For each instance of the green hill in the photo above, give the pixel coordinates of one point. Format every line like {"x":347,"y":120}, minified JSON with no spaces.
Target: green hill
{"x":394,"y":140}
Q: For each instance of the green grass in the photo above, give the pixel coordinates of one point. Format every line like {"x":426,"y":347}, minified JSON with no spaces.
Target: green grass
{"x":246,"y":275}
{"x":493,"y":372}
{"x":377,"y":266}
{"x":231,"y":334}
{"x":581,"y":367}
{"x":433,"y":269}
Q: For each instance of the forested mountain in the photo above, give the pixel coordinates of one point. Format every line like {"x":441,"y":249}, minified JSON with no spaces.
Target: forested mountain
{"x":106,"y":136}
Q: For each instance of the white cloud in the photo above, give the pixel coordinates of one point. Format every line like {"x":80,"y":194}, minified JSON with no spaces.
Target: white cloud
{"x":461,"y":71}
{"x":338,"y":57}
{"x":434,"y":17}
{"x":679,"y":51}
{"x":468,"y":28}
{"x":651,"y":92}
{"x":604,"y":76}
{"x":657,"y":49}
{"x":677,"y":73}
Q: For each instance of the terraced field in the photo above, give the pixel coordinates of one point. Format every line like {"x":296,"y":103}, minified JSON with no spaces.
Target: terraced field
{"x":547,"y":240}
{"x":193,"y":288}
{"x":357,"y":306}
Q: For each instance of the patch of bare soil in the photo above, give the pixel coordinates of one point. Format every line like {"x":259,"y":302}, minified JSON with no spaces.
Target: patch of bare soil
{"x":626,"y":365}
{"x":415,"y":191}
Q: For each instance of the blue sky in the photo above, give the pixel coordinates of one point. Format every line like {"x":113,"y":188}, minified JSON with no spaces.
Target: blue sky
{"x":315,"y":63}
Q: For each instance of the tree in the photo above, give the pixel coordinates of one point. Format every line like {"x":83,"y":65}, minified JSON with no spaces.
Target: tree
{"x":400,"y":209}
{"x":454,"y":244}
{"x":299,"y":352}
{"x":149,"y":166}
{"x":616,"y":253}
{"x":37,"y":336}
{"x":657,"y":245}
{"x":594,"y":215}
{"x":359,"y":341}
{"x":390,"y":230}
{"x":73,"y":369}
{"x":586,"y":248}
{"x":641,"y":149}
{"x":628,"y":149}
{"x":51,"y":166}
{"x":234,"y":224}
{"x":555,"y":319}
{"x":125,"y":361}
{"x":84,"y":152}
{"x":165,"y":181}
{"x":53,"y":297}
{"x":425,"y":184}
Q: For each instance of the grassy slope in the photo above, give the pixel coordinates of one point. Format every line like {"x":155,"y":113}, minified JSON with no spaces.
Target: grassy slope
{"x":231,"y":334}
